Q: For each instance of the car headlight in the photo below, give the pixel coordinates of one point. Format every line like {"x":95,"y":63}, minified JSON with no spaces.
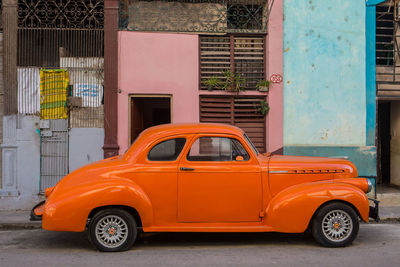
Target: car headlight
{"x":369,"y":186}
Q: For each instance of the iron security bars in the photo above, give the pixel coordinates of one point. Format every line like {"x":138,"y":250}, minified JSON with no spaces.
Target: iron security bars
{"x":86,"y":14}
{"x":388,"y":51}
{"x":67,"y":35}
{"x":241,"y":55}
{"x":208,"y":16}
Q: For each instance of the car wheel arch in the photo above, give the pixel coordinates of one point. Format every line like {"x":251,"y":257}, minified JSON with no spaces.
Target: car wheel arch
{"x":131,"y":210}
{"x":351,"y":205}
{"x":308,"y":198}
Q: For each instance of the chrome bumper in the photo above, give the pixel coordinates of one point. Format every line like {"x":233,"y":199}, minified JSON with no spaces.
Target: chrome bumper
{"x":35,"y":217}
{"x":374,"y":210}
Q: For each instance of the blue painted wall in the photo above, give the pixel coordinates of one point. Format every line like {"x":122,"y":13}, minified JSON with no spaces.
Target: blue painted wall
{"x":324,"y":71}
{"x":326,"y":100}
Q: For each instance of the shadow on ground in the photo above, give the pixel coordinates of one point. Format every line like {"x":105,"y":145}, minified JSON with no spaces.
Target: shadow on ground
{"x":41,"y":239}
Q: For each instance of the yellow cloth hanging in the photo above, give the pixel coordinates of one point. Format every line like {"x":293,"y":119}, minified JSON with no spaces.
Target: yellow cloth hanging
{"x":53,"y":94}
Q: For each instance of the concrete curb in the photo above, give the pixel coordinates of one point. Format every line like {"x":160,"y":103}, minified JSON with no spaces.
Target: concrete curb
{"x":19,"y":220}
{"x":20,"y":226}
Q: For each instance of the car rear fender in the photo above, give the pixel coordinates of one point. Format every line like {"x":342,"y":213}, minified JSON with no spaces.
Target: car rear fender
{"x":292,"y":209}
{"x":69,"y":211}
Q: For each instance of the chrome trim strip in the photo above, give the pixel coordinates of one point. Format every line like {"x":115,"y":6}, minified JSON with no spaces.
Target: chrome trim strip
{"x":278,"y":171}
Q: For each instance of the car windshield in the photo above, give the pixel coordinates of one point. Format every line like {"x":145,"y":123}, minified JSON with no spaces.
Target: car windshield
{"x":251,"y":144}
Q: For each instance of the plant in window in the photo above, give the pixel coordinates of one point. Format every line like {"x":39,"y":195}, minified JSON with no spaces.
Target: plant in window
{"x":233,"y":83}
{"x":263,"y":108}
{"x":212,"y":83}
{"x":263,"y":85}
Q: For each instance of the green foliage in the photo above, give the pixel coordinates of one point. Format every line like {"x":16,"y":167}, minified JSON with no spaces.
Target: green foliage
{"x":264,"y":107}
{"x":263,"y":84}
{"x":233,"y":83}
{"x":212,"y":83}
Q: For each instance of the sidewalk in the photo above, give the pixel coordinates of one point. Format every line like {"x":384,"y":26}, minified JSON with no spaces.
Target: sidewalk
{"x":16,"y":220}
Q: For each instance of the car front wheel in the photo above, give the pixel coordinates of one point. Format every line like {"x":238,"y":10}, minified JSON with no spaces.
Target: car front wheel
{"x":335,"y":225}
{"x":112,"y":230}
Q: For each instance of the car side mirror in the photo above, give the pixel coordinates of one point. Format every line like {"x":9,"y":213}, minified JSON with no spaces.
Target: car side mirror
{"x":239,"y":158}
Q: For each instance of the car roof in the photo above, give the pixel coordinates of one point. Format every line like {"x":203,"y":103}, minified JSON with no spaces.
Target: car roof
{"x":165,"y":130}
{"x":190,"y":128}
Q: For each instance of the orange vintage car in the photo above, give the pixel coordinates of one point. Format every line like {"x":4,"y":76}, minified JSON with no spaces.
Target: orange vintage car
{"x":207,"y":178}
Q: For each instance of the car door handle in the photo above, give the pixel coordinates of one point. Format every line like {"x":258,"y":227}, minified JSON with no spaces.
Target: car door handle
{"x":186,"y":169}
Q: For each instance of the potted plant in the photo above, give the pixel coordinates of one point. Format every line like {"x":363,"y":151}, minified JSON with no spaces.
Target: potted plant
{"x":263,"y":108}
{"x":212,"y":83}
{"x":233,"y":83}
{"x":263,"y":85}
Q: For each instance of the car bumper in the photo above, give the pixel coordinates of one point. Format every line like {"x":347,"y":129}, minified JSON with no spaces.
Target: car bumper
{"x":374,"y":210}
{"x":37,"y":211}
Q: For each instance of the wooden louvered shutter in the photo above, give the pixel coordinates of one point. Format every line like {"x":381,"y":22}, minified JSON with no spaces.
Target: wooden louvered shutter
{"x":215,"y":57}
{"x":240,"y":111}
{"x":247,"y":117}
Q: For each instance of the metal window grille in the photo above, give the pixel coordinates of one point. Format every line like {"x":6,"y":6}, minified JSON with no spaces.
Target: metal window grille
{"x":1,"y":16}
{"x":194,"y":15}
{"x":388,"y":50}
{"x":66,"y":35}
{"x":242,"y":55}
{"x":241,"y":111}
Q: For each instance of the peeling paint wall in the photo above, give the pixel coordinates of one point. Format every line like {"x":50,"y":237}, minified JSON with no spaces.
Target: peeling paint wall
{"x":325,"y":88}
{"x":1,"y":101}
{"x":22,"y":168}
{"x":324,"y":71}
{"x":85,"y":146}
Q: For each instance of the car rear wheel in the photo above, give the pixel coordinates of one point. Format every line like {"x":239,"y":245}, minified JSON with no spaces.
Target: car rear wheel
{"x":112,"y":230}
{"x":335,"y":225}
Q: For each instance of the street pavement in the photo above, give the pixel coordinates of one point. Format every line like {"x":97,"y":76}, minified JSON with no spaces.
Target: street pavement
{"x":376,"y":245}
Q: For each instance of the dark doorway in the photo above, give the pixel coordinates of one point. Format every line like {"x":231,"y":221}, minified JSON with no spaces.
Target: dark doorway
{"x":147,"y":111}
{"x":384,"y":142}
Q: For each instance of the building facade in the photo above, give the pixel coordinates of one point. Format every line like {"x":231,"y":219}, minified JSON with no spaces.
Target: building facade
{"x":84,"y":78}
{"x":53,"y":120}
{"x":167,"y":55}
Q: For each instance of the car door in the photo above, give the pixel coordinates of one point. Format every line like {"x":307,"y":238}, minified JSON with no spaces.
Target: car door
{"x":219,"y":180}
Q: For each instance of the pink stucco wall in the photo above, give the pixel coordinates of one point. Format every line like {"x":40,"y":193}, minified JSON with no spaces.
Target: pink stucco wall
{"x":275,"y":66}
{"x":157,"y":63}
{"x":168,"y":64}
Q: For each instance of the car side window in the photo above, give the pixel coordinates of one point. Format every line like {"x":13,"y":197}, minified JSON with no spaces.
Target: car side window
{"x":168,"y":150}
{"x":217,"y":149}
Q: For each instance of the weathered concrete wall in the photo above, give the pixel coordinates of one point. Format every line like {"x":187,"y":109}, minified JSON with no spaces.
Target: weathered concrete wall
{"x":395,"y":143}
{"x":1,"y":100}
{"x":325,"y":81}
{"x":324,"y":67}
{"x":26,"y":175}
{"x":85,"y":146}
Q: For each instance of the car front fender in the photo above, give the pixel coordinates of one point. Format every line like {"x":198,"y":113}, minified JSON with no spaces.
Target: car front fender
{"x":292,"y":209}
{"x":68,"y":210}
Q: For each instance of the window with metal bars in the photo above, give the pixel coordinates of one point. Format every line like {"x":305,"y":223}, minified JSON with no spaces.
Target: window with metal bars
{"x":1,"y":16}
{"x":241,"y":55}
{"x":385,"y":34}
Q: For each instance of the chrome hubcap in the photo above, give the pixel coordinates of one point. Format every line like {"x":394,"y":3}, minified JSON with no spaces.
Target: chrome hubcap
{"x":337,"y":225}
{"x":111,"y":231}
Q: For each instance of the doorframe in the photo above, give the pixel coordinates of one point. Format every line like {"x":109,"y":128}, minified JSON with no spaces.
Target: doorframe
{"x":130,"y":99}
